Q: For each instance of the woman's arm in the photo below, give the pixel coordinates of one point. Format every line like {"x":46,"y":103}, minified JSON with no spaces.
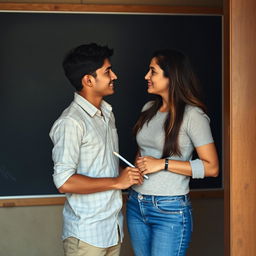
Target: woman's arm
{"x":207,"y":153}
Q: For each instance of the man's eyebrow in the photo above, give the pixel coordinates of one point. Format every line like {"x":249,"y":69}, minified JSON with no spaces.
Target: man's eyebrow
{"x":108,"y":68}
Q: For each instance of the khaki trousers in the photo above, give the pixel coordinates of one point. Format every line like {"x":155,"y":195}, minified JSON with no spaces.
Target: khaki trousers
{"x":75,"y":247}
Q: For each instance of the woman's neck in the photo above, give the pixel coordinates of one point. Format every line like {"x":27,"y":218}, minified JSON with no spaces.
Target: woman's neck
{"x":164,"y":107}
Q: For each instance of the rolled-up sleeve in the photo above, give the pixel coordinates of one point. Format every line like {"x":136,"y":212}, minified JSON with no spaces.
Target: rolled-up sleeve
{"x":66,"y":135}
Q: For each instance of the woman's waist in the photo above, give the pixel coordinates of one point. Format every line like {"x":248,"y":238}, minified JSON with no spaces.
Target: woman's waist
{"x":152,"y":197}
{"x":164,"y":183}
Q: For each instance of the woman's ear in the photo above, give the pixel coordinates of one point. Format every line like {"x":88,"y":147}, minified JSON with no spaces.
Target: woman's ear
{"x":87,"y":80}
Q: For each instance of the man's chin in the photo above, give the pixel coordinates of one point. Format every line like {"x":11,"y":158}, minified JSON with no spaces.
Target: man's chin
{"x":110,"y":92}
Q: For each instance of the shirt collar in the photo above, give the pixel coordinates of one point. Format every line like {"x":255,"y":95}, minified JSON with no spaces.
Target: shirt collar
{"x":90,"y":108}
{"x":106,"y":109}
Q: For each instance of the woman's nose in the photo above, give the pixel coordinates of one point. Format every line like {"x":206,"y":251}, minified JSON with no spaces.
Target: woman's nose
{"x":147,"y":76}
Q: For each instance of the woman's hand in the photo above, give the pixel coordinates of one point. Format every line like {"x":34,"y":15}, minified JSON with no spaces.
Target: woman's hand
{"x":148,"y":164}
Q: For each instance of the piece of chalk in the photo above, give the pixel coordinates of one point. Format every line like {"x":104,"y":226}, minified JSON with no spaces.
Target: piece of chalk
{"x":127,"y":162}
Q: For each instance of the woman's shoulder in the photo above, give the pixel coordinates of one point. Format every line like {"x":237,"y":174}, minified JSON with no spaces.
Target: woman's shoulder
{"x":194,"y":112}
{"x":190,"y":110}
{"x":147,"y":105}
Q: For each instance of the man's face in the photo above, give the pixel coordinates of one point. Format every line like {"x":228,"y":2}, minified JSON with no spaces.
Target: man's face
{"x":103,"y":84}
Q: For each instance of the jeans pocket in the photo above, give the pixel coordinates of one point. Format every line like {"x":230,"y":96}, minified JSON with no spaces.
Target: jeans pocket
{"x":169,"y":206}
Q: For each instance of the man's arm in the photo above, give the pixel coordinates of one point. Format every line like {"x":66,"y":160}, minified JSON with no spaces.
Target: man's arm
{"x":81,"y":184}
{"x":67,"y":139}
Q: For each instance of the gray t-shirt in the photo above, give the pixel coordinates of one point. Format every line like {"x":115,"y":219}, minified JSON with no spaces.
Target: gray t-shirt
{"x":194,"y":132}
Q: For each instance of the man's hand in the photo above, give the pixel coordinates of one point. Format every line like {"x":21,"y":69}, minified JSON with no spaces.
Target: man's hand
{"x":128,"y":177}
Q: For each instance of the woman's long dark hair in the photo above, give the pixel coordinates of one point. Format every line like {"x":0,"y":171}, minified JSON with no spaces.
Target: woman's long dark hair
{"x":182,"y":91}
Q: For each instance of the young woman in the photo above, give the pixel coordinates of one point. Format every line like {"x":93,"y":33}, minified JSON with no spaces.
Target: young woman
{"x":169,"y":129}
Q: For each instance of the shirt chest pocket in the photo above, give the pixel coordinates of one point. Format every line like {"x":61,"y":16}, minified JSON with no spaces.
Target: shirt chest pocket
{"x":114,"y":139}
{"x":113,"y":134}
{"x":94,"y":139}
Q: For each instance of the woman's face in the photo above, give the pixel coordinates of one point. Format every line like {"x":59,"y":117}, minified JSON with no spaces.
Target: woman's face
{"x":157,"y":82}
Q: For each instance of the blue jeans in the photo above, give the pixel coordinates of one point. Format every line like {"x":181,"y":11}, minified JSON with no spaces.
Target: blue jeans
{"x":159,"y":225}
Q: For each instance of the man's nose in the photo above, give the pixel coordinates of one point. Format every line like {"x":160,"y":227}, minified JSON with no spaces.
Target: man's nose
{"x":113,"y":75}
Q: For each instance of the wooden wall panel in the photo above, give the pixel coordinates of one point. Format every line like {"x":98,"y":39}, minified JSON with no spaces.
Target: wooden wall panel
{"x":243,"y":127}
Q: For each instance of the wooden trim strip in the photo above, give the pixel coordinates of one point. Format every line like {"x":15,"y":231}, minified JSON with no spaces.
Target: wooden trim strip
{"x":32,"y":201}
{"x":227,"y":131}
{"x":34,"y":7}
{"x":60,"y":200}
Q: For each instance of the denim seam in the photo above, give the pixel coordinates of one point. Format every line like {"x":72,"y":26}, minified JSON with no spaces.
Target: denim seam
{"x":142,"y":211}
{"x":191,"y":220}
{"x":182,"y":234}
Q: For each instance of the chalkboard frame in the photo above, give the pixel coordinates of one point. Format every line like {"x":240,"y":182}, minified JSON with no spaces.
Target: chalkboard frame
{"x":120,"y":9}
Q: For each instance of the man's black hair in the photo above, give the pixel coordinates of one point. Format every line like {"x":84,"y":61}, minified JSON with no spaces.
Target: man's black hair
{"x":84,"y":60}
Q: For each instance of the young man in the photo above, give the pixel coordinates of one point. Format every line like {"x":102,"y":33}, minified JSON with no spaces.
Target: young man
{"x":84,"y":138}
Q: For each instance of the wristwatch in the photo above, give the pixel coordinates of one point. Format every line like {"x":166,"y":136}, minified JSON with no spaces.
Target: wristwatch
{"x":166,"y":163}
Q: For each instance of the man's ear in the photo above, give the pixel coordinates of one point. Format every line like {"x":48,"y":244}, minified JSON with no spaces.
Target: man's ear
{"x":87,"y":80}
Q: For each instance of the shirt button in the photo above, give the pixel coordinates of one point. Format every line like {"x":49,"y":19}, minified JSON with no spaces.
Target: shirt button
{"x":140,"y":197}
